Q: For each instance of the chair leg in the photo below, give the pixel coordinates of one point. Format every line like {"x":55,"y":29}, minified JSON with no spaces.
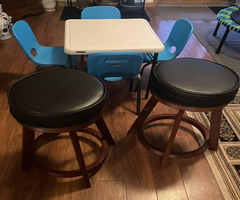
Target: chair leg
{"x":172,"y":138}
{"x":138,"y":95}
{"x":27,"y":148}
{"x":102,"y":127}
{"x":143,"y":115}
{"x":222,"y":41}
{"x":70,"y":62}
{"x":214,"y":129}
{"x":79,"y":155}
{"x":154,"y":62}
{"x":143,"y":67}
{"x":216,"y":29}
{"x":131,"y":84}
{"x":82,"y":58}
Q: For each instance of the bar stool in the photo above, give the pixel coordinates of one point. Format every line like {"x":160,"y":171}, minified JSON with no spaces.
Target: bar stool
{"x":57,"y":101}
{"x":188,"y":84}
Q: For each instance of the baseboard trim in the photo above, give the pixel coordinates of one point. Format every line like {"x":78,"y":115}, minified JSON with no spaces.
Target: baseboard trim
{"x":194,"y":5}
{"x":64,"y":3}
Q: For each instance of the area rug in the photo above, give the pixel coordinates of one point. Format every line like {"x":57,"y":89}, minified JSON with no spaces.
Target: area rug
{"x":225,"y":163}
{"x":230,"y":52}
{"x":216,"y":9}
{"x":189,"y":13}
{"x":75,"y":13}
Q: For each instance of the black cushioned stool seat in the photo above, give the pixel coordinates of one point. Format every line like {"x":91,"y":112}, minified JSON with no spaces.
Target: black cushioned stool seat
{"x":57,"y":101}
{"x":188,"y":84}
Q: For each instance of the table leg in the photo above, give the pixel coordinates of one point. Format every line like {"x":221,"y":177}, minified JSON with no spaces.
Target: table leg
{"x":216,"y":29}
{"x":70,"y":61}
{"x":222,"y":41}
{"x":69,"y":2}
{"x":143,"y":6}
{"x":154,"y":62}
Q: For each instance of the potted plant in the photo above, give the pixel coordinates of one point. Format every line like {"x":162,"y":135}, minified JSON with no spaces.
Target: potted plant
{"x":49,"y":5}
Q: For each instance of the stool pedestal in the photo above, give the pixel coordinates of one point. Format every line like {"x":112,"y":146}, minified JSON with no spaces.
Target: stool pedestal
{"x":210,"y":137}
{"x":31,"y":145}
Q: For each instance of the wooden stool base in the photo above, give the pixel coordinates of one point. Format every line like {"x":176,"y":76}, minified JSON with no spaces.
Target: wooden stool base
{"x":91,"y":169}
{"x":30,"y":147}
{"x":158,"y":151}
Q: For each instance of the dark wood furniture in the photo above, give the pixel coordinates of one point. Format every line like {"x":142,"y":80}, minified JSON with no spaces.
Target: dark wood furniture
{"x":59,"y":101}
{"x":20,"y":8}
{"x":193,"y":85}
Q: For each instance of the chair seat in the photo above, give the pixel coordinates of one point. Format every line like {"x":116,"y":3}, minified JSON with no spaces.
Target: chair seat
{"x":194,"y":83}
{"x":56,"y":98}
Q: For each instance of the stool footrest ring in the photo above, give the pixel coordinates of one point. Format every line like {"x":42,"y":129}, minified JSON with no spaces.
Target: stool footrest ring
{"x":92,"y":168}
{"x":158,"y":151}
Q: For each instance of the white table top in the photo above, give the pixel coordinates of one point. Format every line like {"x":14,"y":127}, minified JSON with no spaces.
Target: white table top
{"x":88,"y":36}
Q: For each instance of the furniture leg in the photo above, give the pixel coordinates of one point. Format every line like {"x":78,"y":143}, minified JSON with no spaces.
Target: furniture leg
{"x":143,"y":7}
{"x":143,"y":115}
{"x":70,"y":61}
{"x":138,"y":94}
{"x":222,"y":41}
{"x":104,"y":131}
{"x":131,"y":84}
{"x":214,"y":129}
{"x":153,"y":66}
{"x":172,"y":138}
{"x":216,"y":29}
{"x":27,"y":148}
{"x":143,"y":67}
{"x":79,"y":155}
{"x":82,"y":58}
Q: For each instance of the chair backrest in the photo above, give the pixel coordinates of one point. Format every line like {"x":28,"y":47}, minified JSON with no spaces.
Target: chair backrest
{"x":26,"y":38}
{"x":101,"y":12}
{"x":114,"y":66}
{"x":178,"y":38}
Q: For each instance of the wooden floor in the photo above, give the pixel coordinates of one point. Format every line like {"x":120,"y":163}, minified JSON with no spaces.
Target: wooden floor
{"x":130,"y":171}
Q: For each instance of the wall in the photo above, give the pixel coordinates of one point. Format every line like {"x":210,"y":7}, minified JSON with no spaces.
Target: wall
{"x":147,"y":1}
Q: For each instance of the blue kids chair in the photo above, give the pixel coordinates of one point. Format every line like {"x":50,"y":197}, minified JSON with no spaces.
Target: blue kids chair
{"x":101,"y":12}
{"x":40,"y":55}
{"x":178,"y":38}
{"x":117,"y":66}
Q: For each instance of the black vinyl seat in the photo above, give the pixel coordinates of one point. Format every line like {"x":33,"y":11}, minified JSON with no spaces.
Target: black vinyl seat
{"x":58,"y":98}
{"x":195,"y":83}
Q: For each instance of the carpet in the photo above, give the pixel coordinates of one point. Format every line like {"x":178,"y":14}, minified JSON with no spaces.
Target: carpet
{"x":186,"y":12}
{"x":216,"y":9}
{"x":225,"y":163}
{"x":230,"y":52}
{"x":75,"y":13}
